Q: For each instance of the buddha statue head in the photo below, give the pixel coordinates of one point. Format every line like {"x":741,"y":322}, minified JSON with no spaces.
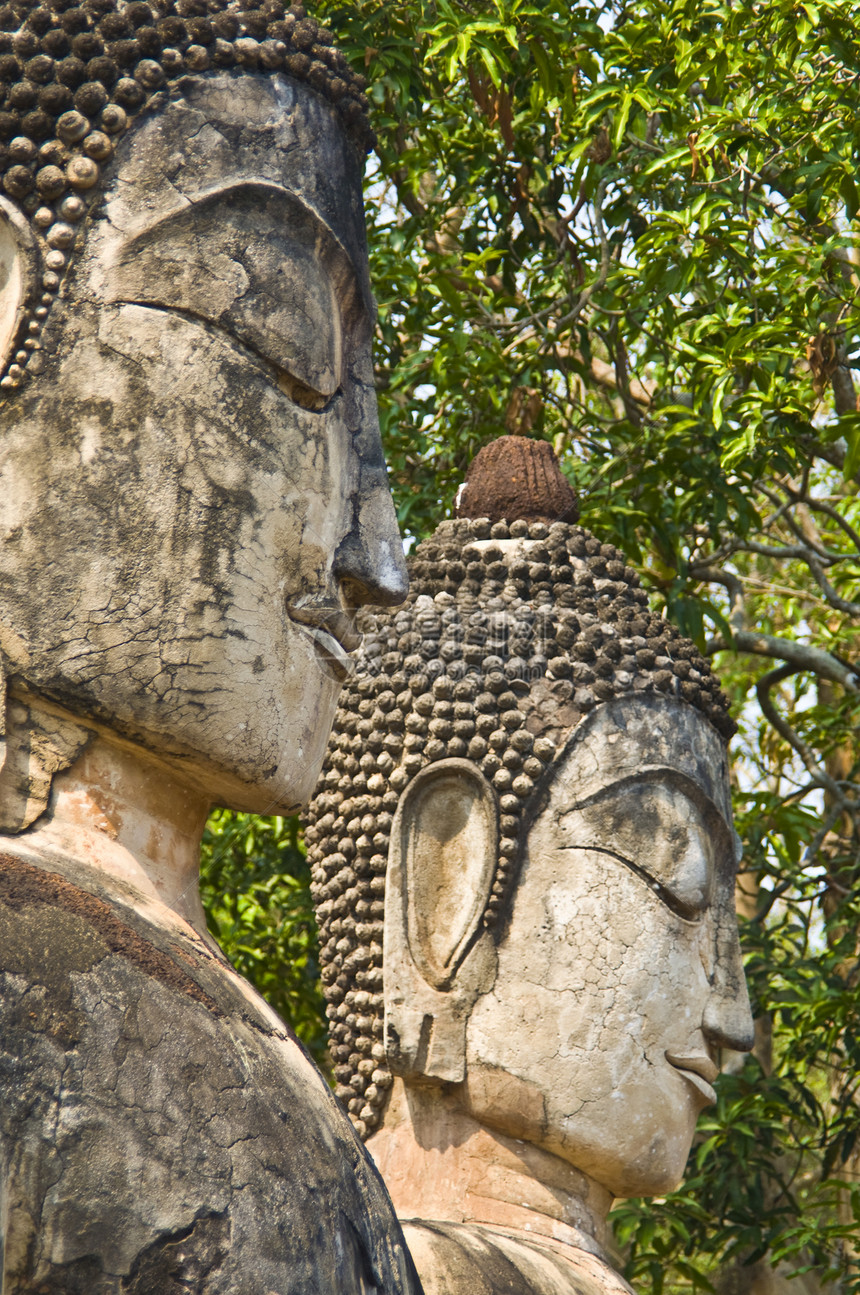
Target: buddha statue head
{"x":522,"y":846}
{"x":194,"y":499}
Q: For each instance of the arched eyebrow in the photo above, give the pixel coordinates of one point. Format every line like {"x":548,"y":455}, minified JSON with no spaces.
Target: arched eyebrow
{"x":664,"y":893}
{"x":259,"y":264}
{"x":689,"y":787}
{"x":267,"y":189}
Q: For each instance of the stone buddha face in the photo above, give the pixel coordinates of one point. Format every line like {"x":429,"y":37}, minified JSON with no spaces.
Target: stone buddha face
{"x":524,"y":858}
{"x":194,"y":496}
{"x":618,"y":976}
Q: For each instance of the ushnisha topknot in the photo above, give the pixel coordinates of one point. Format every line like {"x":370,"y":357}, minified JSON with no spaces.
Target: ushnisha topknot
{"x":512,"y":633}
{"x":74,"y":73}
{"x":514,"y":477}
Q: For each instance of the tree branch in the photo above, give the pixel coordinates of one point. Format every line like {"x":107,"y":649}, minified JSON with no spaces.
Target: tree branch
{"x":732,"y":583}
{"x":794,"y":740}
{"x":801,"y":656}
{"x":821,"y":506}
{"x":833,"y":598}
{"x":603,"y":273}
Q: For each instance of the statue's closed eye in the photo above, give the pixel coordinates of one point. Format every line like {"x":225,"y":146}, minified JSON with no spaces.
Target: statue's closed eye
{"x":659,"y":834}
{"x":258,"y":266}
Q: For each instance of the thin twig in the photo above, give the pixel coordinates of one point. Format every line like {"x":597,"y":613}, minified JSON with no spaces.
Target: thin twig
{"x":763,"y":692}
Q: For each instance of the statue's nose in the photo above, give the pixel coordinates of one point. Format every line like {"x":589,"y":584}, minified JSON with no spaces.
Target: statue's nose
{"x":369,"y":564}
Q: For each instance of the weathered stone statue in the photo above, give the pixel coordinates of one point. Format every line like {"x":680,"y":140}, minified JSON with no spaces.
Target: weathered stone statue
{"x":524,"y":867}
{"x":192,"y":505}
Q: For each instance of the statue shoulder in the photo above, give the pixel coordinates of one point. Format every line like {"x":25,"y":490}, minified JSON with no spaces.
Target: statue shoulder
{"x":472,"y":1259}
{"x":155,"y":1126}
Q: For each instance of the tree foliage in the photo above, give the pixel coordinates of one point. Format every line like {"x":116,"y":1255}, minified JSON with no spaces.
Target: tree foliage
{"x":255,"y":885}
{"x":631,"y":228}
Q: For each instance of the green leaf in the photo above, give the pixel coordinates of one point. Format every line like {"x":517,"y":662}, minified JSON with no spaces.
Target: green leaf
{"x":851,"y":466}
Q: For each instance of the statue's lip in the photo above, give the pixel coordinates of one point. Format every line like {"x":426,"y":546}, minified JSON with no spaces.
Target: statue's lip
{"x":331,"y":628}
{"x":699,"y":1069}
{"x":329,"y":616}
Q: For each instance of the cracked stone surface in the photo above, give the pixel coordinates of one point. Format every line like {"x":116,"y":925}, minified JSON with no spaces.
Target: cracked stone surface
{"x":200,"y":454}
{"x":583,"y":1040}
{"x":162,"y":1133}
{"x":621,"y":951}
{"x":193,"y":503}
{"x":455,"y":1258}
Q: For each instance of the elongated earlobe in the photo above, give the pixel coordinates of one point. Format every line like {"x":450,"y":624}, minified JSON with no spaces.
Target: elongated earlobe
{"x":17,"y":277}
{"x":438,"y":954}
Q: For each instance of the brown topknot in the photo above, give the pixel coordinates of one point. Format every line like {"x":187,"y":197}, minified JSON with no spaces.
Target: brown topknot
{"x":517,"y":478}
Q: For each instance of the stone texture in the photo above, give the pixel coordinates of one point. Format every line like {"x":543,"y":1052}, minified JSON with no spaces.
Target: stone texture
{"x":193,"y":504}
{"x":619,"y":974}
{"x":524,"y":864}
{"x":484,"y":1261}
{"x":162,"y":1131}
{"x":251,"y":471}
{"x":71,"y":80}
{"x":533,"y":628}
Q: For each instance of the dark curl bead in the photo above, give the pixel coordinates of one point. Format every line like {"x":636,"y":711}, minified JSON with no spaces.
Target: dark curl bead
{"x":51,"y":182}
{"x":223,"y":54}
{"x":172,"y":30}
{"x":9,"y":20}
{"x":37,"y":125}
{"x":256,"y":23}
{"x":103,"y":70}
{"x":74,"y":21}
{"x":18,"y":181}
{"x":318,"y":75}
{"x":128,"y":94}
{"x":298,"y":64}
{"x":114,"y":26}
{"x":125,"y":53}
{"x":305,"y":34}
{"x":56,"y":43}
{"x":138,"y":14}
{"x":10,"y":124}
{"x":86,"y":46}
{"x":71,"y":72}
{"x":25,"y":44}
{"x":23,"y":95}
{"x":90,"y":98}
{"x":10,"y":68}
{"x":21,"y":150}
{"x":200,"y":31}
{"x":226,"y":26}
{"x":149,"y":42}
{"x":39,"y":20}
{"x":53,"y":154}
{"x":281,"y":30}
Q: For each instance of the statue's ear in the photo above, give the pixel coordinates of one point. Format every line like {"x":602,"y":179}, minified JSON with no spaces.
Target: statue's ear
{"x":438,"y":954}
{"x":17,"y":275}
